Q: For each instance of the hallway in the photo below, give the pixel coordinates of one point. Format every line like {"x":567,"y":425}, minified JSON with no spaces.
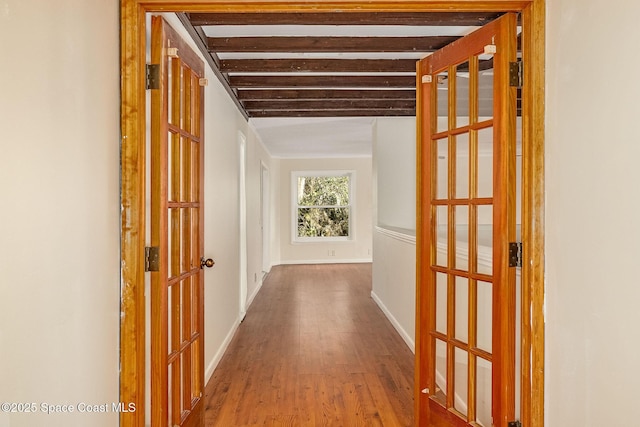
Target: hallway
{"x":313,"y":350}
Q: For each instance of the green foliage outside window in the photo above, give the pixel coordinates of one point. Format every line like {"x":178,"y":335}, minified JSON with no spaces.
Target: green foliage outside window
{"x":323,"y":206}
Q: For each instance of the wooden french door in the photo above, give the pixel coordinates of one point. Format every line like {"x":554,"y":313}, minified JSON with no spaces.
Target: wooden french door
{"x":466,"y":297}
{"x":177,"y":348}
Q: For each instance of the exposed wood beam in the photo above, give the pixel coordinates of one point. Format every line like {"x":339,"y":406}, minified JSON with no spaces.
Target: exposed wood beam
{"x":294,"y":81}
{"x":329,"y":65}
{"x":212,"y":59}
{"x":334,"y":104}
{"x":333,"y":113}
{"x":310,"y":94}
{"x":342,"y":18}
{"x":318,"y":65}
{"x":329,"y":44}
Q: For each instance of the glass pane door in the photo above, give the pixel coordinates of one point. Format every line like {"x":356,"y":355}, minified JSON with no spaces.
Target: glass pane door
{"x":177,"y":349}
{"x":466,"y":289}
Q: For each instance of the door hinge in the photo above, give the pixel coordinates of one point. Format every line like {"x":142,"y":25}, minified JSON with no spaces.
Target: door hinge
{"x":152,"y":258}
{"x":515,"y":254}
{"x":515,"y":74}
{"x":153,"y":76}
{"x":514,"y":424}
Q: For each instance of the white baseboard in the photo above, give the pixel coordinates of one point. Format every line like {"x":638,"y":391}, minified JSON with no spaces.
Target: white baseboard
{"x":218,"y":357}
{"x":225,"y":344}
{"x":405,"y":336}
{"x":327,"y":261}
{"x":255,"y":292}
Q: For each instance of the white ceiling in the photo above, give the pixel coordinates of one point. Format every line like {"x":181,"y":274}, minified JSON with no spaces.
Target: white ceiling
{"x":316,"y":137}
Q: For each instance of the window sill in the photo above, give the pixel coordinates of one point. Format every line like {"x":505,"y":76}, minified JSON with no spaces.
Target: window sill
{"x":321,"y":240}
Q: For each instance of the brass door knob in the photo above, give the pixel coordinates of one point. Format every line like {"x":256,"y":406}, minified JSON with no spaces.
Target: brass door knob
{"x":206,"y":262}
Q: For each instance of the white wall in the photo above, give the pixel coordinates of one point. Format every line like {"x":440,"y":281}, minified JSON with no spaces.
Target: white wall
{"x":394,"y":244}
{"x":60,"y":227}
{"x":394,"y":280}
{"x":592,"y":212}
{"x":257,"y":155}
{"x":395,"y":164}
{"x":59,"y":221}
{"x":222,"y":215}
{"x":355,"y":250}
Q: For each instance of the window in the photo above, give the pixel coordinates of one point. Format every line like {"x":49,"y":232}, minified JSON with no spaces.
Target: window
{"x":322,"y":205}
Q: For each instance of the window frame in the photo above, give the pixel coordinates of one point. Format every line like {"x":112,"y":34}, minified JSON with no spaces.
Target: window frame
{"x":294,"y":204}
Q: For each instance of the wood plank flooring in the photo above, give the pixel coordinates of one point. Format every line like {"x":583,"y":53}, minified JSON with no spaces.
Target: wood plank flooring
{"x":313,"y":350}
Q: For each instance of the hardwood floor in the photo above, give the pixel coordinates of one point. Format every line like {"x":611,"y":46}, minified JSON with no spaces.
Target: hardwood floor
{"x":313,"y":350}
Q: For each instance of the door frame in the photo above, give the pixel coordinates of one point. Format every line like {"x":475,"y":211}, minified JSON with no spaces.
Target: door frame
{"x":265,"y":217}
{"x":133,"y":158}
{"x":242,"y":193}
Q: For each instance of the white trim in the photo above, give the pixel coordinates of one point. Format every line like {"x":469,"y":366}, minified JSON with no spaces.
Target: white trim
{"x":299,"y":156}
{"x":405,"y":336}
{"x":220,"y":353}
{"x":327,"y":261}
{"x":254,"y":293}
{"x":396,"y":234}
{"x":305,"y":240}
{"x":211,"y":367}
{"x":265,"y":214}
{"x":323,"y":241}
{"x":242,"y":221}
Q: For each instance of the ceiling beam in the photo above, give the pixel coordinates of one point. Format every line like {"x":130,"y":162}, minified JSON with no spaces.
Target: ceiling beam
{"x":333,"y":104}
{"x":295,"y":81}
{"x":311,"y":94}
{"x":212,"y":59}
{"x":333,"y":113}
{"x":329,"y":65}
{"x":345,"y":18}
{"x":328,"y":44}
{"x":318,"y":65}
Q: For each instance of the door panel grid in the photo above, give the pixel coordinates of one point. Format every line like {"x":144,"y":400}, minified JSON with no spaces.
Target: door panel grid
{"x":176,"y":289}
{"x":467,"y":376}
